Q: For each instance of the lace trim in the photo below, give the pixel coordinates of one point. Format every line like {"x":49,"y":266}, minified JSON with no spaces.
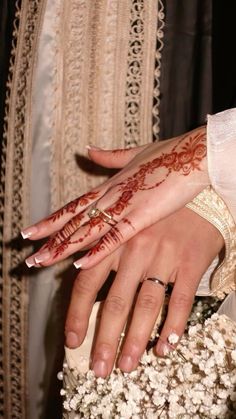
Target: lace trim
{"x":211,"y":207}
{"x":14,"y":204}
{"x":101,"y":98}
{"x":157,"y":73}
{"x":144,"y":19}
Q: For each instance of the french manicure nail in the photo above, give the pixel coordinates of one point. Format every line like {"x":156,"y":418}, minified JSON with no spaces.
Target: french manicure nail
{"x":100,"y":368}
{"x":92,"y":147}
{"x":42,"y":257}
{"x":28,"y":232}
{"x":77,"y":265}
{"x":30,"y":262}
{"x":72,"y":340}
{"x":126,"y":363}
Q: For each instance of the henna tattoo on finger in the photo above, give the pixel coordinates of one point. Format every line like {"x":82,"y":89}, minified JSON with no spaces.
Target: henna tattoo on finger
{"x":60,"y":248}
{"x":72,"y":206}
{"x":113,"y":237}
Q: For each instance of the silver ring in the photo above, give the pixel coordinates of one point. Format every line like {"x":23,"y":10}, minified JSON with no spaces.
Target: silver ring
{"x":105,"y":216}
{"x":157,"y":281}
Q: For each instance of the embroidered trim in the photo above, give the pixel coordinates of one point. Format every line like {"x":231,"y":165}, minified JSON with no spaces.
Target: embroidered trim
{"x":102,"y":45}
{"x":157,"y":73}
{"x":210,"y":206}
{"x":14,"y":208}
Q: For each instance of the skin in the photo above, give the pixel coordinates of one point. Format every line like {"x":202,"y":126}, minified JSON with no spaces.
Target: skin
{"x":156,"y":180}
{"x":189,"y":244}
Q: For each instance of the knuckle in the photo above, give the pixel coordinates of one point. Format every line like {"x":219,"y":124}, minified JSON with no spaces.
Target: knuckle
{"x":115,"y":304}
{"x":167,"y":246}
{"x":82,"y":285}
{"x":103,"y":350}
{"x":138,"y":242}
{"x":147,"y":302}
{"x":181,"y":301}
{"x":73,"y":323}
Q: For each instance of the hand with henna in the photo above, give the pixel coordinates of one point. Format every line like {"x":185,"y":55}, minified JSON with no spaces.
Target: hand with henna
{"x":156,"y":180}
{"x":176,"y":250}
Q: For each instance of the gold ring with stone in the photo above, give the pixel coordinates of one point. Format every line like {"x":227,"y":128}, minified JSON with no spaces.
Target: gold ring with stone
{"x":105,"y":216}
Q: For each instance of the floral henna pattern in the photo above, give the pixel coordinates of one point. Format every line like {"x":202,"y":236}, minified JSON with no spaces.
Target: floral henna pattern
{"x":185,"y":160}
{"x":72,"y":206}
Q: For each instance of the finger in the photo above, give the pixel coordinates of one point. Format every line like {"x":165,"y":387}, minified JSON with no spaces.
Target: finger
{"x":147,"y":308}
{"x":113,"y":158}
{"x":53,"y":252}
{"x":114,"y":314}
{"x":85,"y":289}
{"x":179,"y":308}
{"x":63,"y":244}
{"x":112,"y":240}
{"x":58,"y":219}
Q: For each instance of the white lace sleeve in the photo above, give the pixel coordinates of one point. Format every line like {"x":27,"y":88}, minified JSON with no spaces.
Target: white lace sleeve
{"x":221,"y":137}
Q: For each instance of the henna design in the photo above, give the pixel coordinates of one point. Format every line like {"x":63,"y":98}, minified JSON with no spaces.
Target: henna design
{"x":72,"y":206}
{"x":187,"y":159}
{"x":62,"y":246}
{"x":69,"y":228}
{"x":113,"y":236}
{"x":127,"y":221}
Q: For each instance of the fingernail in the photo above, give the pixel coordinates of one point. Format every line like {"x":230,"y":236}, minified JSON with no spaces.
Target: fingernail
{"x":165,"y":350}
{"x":77,"y":265}
{"x":42,"y":257}
{"x":92,"y":147}
{"x":30,"y":262}
{"x":173,"y":338}
{"x":72,"y":340}
{"x":100,"y":368}
{"x":126,"y":363}
{"x":28,"y":232}
{"x":82,"y":262}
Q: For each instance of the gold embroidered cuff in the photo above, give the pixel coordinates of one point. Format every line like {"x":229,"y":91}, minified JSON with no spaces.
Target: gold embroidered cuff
{"x":210,"y":206}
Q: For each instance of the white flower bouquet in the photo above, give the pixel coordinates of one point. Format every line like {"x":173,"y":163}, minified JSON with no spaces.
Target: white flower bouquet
{"x":197,"y":380}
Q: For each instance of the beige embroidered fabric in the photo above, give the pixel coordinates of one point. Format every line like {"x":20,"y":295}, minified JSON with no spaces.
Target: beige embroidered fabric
{"x":82,"y":71}
{"x":14,"y":204}
{"x":220,"y":278}
{"x":104,"y":86}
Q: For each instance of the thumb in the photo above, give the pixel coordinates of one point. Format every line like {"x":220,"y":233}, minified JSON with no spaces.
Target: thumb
{"x":117,"y":158}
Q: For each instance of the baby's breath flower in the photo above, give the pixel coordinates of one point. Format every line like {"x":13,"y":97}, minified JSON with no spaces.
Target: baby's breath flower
{"x":195,"y":381}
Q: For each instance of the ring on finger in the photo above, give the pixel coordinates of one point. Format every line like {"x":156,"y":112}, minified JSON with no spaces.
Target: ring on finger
{"x":104,"y":215}
{"x":157,"y":281}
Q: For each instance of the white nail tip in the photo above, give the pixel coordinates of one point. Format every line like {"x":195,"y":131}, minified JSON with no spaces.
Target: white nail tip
{"x":77,"y":265}
{"x":25,"y":235}
{"x":29,"y":264}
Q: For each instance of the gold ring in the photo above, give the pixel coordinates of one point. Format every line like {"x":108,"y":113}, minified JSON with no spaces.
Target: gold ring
{"x":157,"y":281}
{"x":105,"y":216}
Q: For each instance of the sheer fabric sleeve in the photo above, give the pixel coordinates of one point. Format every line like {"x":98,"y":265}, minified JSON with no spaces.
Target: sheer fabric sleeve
{"x":221,"y":138}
